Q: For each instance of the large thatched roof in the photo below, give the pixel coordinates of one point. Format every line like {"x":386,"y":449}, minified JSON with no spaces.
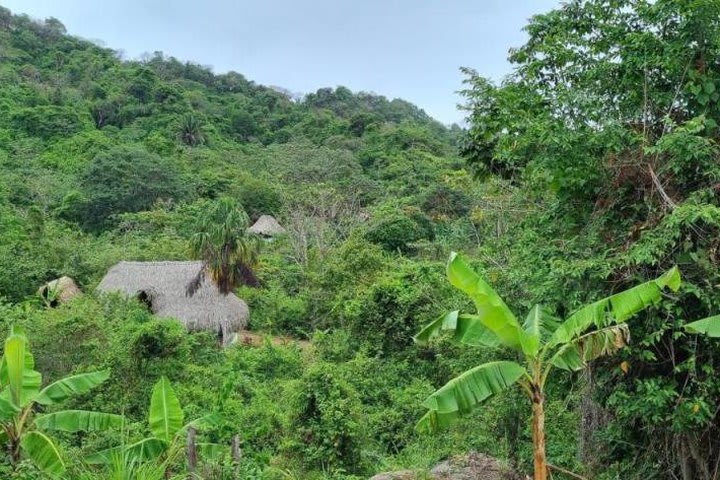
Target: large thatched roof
{"x":266,"y":226}
{"x":163,"y":286}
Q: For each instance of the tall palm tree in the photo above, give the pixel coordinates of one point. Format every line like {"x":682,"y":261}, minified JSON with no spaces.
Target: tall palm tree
{"x":229,"y":253}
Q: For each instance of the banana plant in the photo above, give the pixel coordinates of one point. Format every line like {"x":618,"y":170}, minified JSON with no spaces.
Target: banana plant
{"x":22,"y":428}
{"x":165,"y":420}
{"x":545,"y":343}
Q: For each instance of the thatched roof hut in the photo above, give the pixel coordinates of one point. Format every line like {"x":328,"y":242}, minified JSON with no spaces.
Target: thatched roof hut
{"x":267,"y":226}
{"x":163,"y":287}
{"x":59,"y":291}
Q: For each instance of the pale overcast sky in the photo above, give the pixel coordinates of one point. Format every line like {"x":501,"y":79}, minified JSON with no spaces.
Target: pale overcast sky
{"x":410,"y":49}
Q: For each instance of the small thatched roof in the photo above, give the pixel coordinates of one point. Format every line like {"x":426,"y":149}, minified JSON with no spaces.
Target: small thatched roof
{"x":60,"y":290}
{"x":163,"y":286}
{"x":266,"y":226}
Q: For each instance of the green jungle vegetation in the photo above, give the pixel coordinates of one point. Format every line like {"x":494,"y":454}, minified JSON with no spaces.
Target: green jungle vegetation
{"x":591,"y":171}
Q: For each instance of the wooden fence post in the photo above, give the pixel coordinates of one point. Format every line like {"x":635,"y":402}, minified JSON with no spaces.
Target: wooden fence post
{"x":235,"y":450}
{"x":191,"y":452}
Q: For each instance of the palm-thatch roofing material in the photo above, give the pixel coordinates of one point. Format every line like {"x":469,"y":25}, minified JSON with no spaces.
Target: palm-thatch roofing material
{"x":267,"y":226}
{"x":163,"y":286}
{"x":60,"y":290}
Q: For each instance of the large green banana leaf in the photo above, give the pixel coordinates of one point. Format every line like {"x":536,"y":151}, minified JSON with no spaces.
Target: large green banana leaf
{"x":491,"y":309}
{"x":465,"y":329}
{"x":709,"y":326}
{"x":463,"y":393}
{"x":143,"y":451}
{"x":147,"y":449}
{"x":615,"y":308}
{"x":576,"y":354}
{"x":540,"y":324}
{"x":17,"y":371}
{"x":206,"y":422}
{"x":212,"y":451}
{"x":434,"y":421}
{"x":7,"y":408}
{"x":43,"y":452}
{"x":78,"y":421}
{"x":166,"y":416}
{"x":70,"y":386}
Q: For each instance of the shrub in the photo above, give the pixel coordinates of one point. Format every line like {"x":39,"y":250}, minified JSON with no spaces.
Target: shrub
{"x":398,"y":231}
{"x":444,"y":202}
{"x":387,"y":315}
{"x":259,"y":197}
{"x":126,"y":179}
{"x":326,"y":427}
{"x":49,"y":121}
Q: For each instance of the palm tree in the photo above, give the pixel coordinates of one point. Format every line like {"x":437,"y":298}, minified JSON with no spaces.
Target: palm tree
{"x":191,"y":132}
{"x":229,"y":253}
{"x":544,"y":341}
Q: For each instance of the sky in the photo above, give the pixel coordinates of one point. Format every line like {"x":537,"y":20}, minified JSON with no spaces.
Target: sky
{"x":410,"y":49}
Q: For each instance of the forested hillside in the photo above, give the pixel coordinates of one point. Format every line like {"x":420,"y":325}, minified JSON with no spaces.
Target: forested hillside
{"x":592,"y":168}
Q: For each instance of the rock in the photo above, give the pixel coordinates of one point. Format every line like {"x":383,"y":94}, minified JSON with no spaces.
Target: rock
{"x":473,"y":466}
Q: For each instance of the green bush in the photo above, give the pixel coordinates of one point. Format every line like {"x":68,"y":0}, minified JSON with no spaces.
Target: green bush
{"x":397,"y":231}
{"x":326,"y":429}
{"x":259,"y":197}
{"x":386,"y":315}
{"x":125,"y":179}
{"x":50,"y":121}
{"x":443,"y":202}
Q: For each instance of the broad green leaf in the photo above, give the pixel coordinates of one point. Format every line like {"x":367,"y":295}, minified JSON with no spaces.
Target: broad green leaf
{"x":7,"y":408}
{"x":22,"y":380}
{"x":540,"y":324}
{"x":145,"y":450}
{"x":461,"y":394}
{"x":29,"y":365}
{"x":105,"y":457}
{"x":166,"y":416}
{"x":71,"y":386}
{"x":709,"y":326}
{"x":212,"y":451}
{"x":465,"y":329}
{"x":43,"y":452}
{"x":491,"y":309}
{"x":616,"y":308}
{"x":31,"y":380}
{"x":78,"y":421}
{"x":578,"y":353}
{"x":15,"y":363}
{"x":434,"y":421}
{"x":206,"y":422}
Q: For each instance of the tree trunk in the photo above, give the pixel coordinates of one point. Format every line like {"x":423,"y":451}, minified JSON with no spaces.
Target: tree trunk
{"x":538,"y":432}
